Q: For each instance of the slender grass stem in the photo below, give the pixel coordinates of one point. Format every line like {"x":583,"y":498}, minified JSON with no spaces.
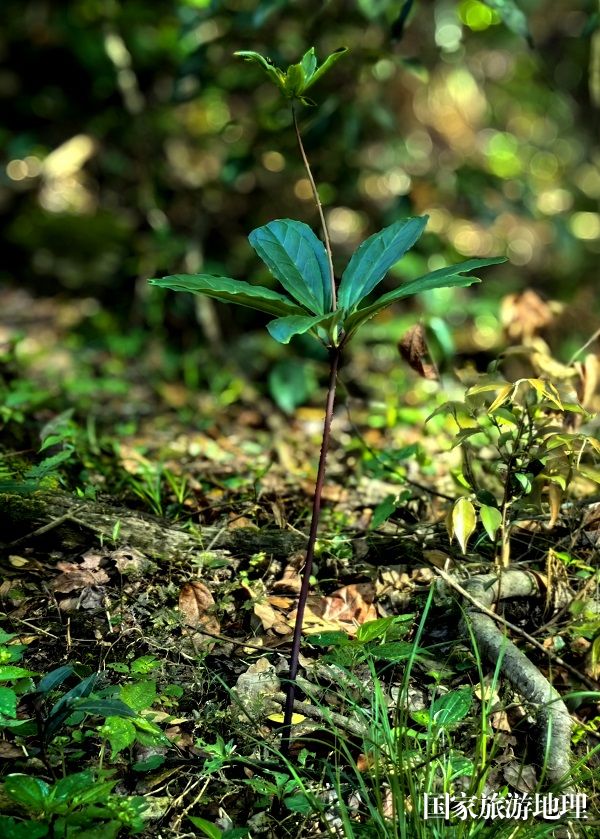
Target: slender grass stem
{"x":319,"y":208}
{"x":334,"y":357}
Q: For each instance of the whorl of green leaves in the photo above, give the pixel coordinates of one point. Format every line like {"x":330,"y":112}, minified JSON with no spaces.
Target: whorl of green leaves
{"x":296,"y":258}
{"x":298,"y":78}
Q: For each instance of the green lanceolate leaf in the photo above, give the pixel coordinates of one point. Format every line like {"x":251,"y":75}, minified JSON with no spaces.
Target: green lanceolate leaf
{"x":297,"y":259}
{"x":325,"y":66}
{"x":283,"y":329}
{"x":373,"y":259}
{"x":232,"y":291}
{"x":451,"y":276}
{"x":55,"y":678}
{"x":309,"y":64}
{"x":274,"y":73}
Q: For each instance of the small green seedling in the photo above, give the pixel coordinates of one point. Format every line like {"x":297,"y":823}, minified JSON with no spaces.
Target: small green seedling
{"x":314,"y":304}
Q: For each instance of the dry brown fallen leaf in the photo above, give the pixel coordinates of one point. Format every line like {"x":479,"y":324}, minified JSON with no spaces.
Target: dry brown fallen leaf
{"x":414,"y":350}
{"x":197,"y":606}
{"x":76,"y":576}
{"x":345,"y":609}
{"x":523,"y":315}
{"x":291,"y":579}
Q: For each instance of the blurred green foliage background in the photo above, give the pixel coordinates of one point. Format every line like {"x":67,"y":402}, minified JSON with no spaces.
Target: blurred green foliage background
{"x":134,"y":144}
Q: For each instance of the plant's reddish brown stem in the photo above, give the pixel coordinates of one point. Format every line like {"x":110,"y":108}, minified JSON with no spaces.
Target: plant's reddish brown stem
{"x":334,"y":357}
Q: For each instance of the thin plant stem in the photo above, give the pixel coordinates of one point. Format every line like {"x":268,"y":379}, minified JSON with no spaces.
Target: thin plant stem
{"x":334,"y":357}
{"x":584,"y":347}
{"x":319,"y":208}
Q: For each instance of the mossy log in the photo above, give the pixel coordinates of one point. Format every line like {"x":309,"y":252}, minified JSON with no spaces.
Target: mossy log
{"x":75,"y":521}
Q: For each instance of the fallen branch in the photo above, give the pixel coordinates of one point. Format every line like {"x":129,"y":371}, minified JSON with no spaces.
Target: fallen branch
{"x":552,"y":713}
{"x":73,"y":521}
{"x":590,"y":683}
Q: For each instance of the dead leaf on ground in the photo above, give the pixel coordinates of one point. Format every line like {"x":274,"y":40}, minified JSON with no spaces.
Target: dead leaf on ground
{"x":345,"y":609}
{"x":521,"y":777}
{"x":241,"y":522}
{"x":77,"y":576}
{"x":90,"y":599}
{"x":197,"y":606}
{"x":290,"y":579}
{"x":414,"y":350}
{"x":270,"y":618}
{"x":331,"y":492}
{"x":353,"y":604}
{"x":8,"y":751}
{"x":525,"y":314}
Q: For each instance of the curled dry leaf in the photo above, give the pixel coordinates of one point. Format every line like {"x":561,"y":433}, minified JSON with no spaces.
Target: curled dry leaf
{"x":197,"y":606}
{"x":525,"y":314}
{"x":75,"y":577}
{"x":344,"y":609}
{"x":291,"y":580}
{"x":413,"y":349}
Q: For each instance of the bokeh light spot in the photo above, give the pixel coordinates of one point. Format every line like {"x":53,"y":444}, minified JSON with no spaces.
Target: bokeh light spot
{"x":585,"y":225}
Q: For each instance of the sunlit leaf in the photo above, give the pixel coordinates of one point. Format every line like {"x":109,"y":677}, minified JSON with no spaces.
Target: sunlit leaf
{"x":8,"y":702}
{"x":232,"y":291}
{"x":297,"y":259}
{"x":326,"y":65}
{"x":8,"y":672}
{"x":296,"y":718}
{"x":30,"y":793}
{"x":491,"y":519}
{"x":464,"y":520}
{"x":452,"y":707}
{"x":375,"y":256}
{"x":501,"y":397}
{"x":119,"y":732}
{"x":295,"y":79}
{"x":139,"y":695}
{"x":309,"y":63}
{"x":372,"y":630}
{"x":451,"y":276}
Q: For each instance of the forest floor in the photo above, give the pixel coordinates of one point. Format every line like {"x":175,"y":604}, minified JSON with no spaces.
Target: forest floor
{"x":155,"y":517}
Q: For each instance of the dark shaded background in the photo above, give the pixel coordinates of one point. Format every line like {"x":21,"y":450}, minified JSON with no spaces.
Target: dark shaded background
{"x":135,"y":144}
